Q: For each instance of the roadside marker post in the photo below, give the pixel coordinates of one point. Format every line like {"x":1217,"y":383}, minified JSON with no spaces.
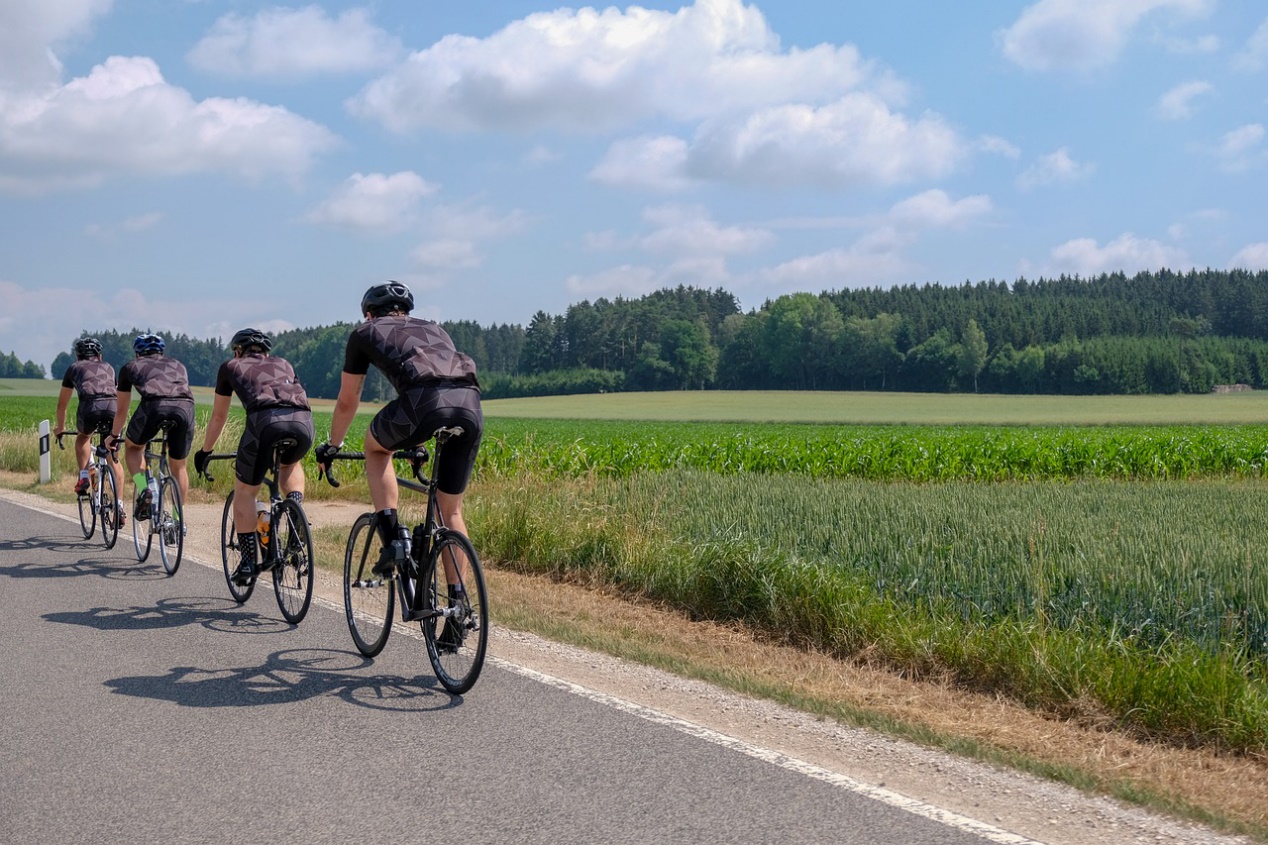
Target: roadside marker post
{"x":45,"y":458}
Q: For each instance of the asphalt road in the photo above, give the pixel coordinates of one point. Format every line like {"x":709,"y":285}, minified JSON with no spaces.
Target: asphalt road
{"x":140,"y":708}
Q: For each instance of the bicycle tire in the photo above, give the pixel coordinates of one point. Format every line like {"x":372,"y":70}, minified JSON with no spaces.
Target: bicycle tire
{"x":231,"y":555}
{"x":143,"y":534}
{"x":293,"y":572}
{"x":171,"y":532}
{"x":87,"y":513}
{"x":109,"y":508}
{"x":368,"y":599}
{"x":456,"y":644}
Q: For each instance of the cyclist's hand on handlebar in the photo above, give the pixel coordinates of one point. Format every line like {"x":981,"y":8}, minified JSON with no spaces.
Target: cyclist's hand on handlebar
{"x":325,"y":456}
{"x":201,"y":457}
{"x":114,"y":442}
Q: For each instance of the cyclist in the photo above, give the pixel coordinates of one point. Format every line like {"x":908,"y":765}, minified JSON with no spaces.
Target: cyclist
{"x":165,"y":397}
{"x":277,"y":408}
{"x":92,"y":379}
{"x":436,"y":386}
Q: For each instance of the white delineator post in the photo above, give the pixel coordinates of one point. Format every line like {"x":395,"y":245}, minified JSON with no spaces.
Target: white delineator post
{"x":45,"y":469}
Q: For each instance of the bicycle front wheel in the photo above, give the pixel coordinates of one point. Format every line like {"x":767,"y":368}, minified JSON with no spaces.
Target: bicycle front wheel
{"x":368,"y":599}
{"x":457,"y":628}
{"x":231,"y":555}
{"x":170,"y":524}
{"x":87,"y":513}
{"x":293,"y":572}
{"x":109,"y":509}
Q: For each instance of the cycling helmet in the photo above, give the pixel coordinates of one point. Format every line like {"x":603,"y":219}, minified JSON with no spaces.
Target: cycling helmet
{"x":389,"y":296}
{"x":87,"y":347}
{"x":247,"y":338}
{"x":148,"y":344}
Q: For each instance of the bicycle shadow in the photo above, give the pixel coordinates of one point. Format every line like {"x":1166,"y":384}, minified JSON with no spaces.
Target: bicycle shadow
{"x":121,"y":568}
{"x":287,"y":677}
{"x":216,"y":614}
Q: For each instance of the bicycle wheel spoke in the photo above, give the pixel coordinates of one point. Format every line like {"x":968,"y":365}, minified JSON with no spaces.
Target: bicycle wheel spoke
{"x":368,"y":599}
{"x":168,"y":521}
{"x":109,"y":508}
{"x":293,"y":573}
{"x":457,"y":635}
{"x":231,"y":555}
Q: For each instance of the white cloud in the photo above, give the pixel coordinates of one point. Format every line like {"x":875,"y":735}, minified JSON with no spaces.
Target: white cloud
{"x":456,"y":232}
{"x":1201,"y":45}
{"x":447,"y":255}
{"x":656,"y":164}
{"x":1254,"y":56}
{"x":374,"y":202}
{"x":873,"y":259}
{"x":997,"y":146}
{"x":1251,"y":257}
{"x":590,"y":70}
{"x":1081,"y":35}
{"x":1127,"y":253}
{"x":1177,"y":104}
{"x":41,"y":322}
{"x":1242,"y":148}
{"x":30,"y":29}
{"x":934,"y":209}
{"x":1053,"y":168}
{"x":294,"y":43}
{"x":123,"y":118}
{"x":689,"y":231}
{"x":626,"y":280}
{"x":130,"y":225}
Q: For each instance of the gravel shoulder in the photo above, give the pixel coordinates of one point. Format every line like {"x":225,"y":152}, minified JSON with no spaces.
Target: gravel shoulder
{"x":1024,"y":805}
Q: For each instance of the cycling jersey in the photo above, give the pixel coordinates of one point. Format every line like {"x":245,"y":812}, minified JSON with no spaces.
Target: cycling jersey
{"x":261,"y":382}
{"x":155,"y":377}
{"x":410,"y":352}
{"x":91,"y":379}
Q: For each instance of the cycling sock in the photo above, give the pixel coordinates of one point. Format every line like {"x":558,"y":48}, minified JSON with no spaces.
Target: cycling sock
{"x":296,"y":496}
{"x":387,"y":526}
{"x":83,"y":473}
{"x":246,"y":545}
{"x":139,"y":480}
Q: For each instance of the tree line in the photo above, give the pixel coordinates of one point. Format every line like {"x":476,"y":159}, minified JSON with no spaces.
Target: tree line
{"x":1154,"y":332}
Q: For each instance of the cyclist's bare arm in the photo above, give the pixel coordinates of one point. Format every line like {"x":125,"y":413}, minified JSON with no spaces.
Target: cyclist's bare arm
{"x":346,"y":405}
{"x":216,"y":423}
{"x":63,"y":401}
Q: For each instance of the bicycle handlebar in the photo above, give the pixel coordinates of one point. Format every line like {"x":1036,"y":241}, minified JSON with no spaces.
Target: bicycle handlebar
{"x":417,"y":457}
{"x":227,"y":456}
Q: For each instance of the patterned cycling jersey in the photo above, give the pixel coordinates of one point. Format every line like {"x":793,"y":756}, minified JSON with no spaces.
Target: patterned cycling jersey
{"x":410,"y":352}
{"x":261,"y":382}
{"x":155,"y":377}
{"x":92,"y":379}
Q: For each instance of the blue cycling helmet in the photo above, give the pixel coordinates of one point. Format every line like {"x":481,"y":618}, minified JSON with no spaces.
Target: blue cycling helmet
{"x":148,"y":344}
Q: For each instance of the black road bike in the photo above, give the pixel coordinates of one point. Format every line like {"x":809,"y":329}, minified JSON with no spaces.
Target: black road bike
{"x":440,"y":585}
{"x":101,"y":500}
{"x":285,"y":543}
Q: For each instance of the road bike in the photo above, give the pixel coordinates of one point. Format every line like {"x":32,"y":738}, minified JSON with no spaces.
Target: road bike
{"x":283,"y":538}
{"x":164,"y":518}
{"x":440,"y":585}
{"x":101,"y":499}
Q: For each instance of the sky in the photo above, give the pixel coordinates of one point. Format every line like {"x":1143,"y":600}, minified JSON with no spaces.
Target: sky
{"x":198,"y":166}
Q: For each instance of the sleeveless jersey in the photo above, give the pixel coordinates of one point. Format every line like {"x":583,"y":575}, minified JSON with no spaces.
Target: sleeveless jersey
{"x":410,"y":352}
{"x":261,"y":382}
{"x":155,"y":377}
{"x":92,"y":379}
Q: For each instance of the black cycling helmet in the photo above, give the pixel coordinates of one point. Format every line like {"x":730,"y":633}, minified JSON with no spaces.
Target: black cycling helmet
{"x":148,"y":344}
{"x":247,"y":338}
{"x":389,"y":296}
{"x":87,"y":347}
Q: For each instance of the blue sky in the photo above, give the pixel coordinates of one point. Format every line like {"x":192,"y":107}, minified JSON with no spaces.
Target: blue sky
{"x":201,"y":166}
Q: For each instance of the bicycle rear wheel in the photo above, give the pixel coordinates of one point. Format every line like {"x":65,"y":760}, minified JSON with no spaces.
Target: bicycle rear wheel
{"x":109,"y":508}
{"x":293,"y":572}
{"x":87,"y":513}
{"x":458,"y":634}
{"x":143,"y":533}
{"x":231,"y":555}
{"x":170,"y":524}
{"x":368,"y":599}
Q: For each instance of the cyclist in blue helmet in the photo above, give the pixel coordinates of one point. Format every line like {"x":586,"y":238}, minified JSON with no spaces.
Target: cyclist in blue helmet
{"x":165,"y":397}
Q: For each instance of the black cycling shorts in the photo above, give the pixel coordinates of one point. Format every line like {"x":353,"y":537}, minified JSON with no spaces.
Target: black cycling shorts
{"x":413,"y":417}
{"x":96,"y":414}
{"x":263,"y":431}
{"x":151,"y":413}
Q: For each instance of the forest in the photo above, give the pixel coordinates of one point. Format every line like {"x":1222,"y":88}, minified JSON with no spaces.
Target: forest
{"x":1154,"y":332}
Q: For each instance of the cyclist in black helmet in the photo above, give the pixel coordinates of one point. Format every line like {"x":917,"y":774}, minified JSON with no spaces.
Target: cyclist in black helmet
{"x":436,"y":386}
{"x":92,"y":379}
{"x":165,"y":397}
{"x":277,"y":408}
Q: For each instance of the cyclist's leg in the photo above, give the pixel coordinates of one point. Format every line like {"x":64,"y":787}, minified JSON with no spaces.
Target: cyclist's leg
{"x":180,"y":439}
{"x":290,"y":474}
{"x":248,"y":469}
{"x":380,"y":474}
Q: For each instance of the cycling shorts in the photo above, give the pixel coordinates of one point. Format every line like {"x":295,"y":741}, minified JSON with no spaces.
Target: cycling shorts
{"x":151,"y":413}
{"x":95,"y":414}
{"x":263,"y":431}
{"x":413,"y":417}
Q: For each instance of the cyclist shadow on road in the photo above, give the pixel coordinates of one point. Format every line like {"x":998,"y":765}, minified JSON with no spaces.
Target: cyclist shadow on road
{"x":289,"y":676}
{"x":105,"y":567}
{"x":215,"y":613}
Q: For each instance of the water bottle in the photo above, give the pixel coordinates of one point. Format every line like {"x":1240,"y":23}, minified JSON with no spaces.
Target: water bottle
{"x":262,"y":519}
{"x":152,"y":486}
